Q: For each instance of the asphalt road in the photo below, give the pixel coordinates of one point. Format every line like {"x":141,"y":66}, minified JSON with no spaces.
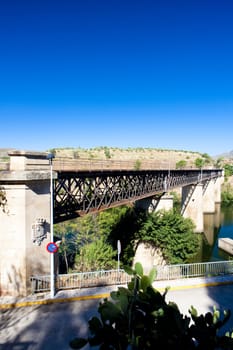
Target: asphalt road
{"x":51,"y":327}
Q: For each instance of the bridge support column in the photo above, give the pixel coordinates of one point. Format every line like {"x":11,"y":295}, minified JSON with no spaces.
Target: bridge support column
{"x":151,"y":204}
{"x":192,"y":205}
{"x":25,"y":224}
{"x":217,"y":189}
{"x":209,"y":197}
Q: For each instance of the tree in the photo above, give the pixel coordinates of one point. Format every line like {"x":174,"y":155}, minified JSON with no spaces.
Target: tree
{"x":207,"y":158}
{"x":107,"y":153}
{"x":181,"y":164}
{"x":172,"y":233}
{"x":137,"y":164}
{"x":67,"y":233}
{"x":228,"y":169}
{"x":129,"y":221}
{"x":139,"y":318}
{"x":199,"y":162}
{"x":83,"y":235}
{"x":227,"y":195}
{"x":169,"y":231}
{"x":95,"y":256}
{"x":219,"y":162}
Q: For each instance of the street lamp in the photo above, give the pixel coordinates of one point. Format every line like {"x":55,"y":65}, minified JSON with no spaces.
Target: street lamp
{"x":50,"y":156}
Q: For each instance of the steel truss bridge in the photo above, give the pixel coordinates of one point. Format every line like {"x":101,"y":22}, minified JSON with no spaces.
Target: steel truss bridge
{"x":79,"y":192}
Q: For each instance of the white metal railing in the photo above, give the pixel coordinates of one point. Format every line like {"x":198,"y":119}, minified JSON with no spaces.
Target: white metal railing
{"x":80,"y":280}
{"x":205,"y":269}
{"x":114,"y":277}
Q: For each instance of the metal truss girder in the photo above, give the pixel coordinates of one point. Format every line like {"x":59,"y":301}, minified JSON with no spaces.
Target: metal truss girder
{"x":82,"y":192}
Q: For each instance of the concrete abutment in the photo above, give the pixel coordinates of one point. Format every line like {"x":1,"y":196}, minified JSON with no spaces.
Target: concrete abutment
{"x":25,"y":223}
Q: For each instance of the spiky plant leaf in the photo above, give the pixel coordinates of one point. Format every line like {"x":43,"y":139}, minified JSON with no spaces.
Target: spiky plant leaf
{"x":139,"y":269}
{"x":152,"y":275}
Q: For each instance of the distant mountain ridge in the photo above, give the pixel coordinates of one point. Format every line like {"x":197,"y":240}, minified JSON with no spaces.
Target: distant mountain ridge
{"x":228,"y":155}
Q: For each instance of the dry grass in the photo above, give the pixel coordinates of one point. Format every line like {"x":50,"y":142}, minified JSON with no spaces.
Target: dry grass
{"x":164,"y":156}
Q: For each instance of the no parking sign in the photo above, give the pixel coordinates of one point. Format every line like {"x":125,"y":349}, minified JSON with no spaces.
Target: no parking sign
{"x":52,"y":247}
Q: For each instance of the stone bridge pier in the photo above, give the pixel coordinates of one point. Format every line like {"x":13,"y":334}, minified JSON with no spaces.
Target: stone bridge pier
{"x":199,"y":199}
{"x":196,"y":200}
{"x":25,"y":222}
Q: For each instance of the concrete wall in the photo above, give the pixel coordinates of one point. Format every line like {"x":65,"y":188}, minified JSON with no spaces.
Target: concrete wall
{"x":20,"y":257}
{"x":28,"y":199}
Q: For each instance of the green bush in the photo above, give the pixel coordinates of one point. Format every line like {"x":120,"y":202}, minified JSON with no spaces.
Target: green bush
{"x":137,"y":165}
{"x":181,"y":164}
{"x":228,"y":169}
{"x":173,"y":234}
{"x":97,"y":255}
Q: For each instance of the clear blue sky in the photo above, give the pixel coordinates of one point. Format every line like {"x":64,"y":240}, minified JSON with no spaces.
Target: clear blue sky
{"x":121,"y":73}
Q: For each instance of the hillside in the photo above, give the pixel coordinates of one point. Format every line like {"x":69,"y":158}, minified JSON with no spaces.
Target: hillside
{"x":165,"y":156}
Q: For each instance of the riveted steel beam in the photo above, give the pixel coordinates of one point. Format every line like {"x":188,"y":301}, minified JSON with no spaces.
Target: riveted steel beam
{"x":78,"y":193}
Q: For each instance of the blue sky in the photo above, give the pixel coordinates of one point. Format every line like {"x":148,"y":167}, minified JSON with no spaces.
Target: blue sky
{"x":120,"y":73}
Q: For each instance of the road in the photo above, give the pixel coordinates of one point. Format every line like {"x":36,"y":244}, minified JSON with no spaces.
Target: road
{"x":51,"y":327}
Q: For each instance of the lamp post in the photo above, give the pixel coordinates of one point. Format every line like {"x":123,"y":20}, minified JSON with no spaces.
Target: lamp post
{"x":52,"y":284}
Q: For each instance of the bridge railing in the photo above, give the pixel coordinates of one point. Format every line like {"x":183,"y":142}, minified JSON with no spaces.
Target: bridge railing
{"x":80,"y":280}
{"x":64,"y":164}
{"x":115,"y":277}
{"x":71,"y":164}
{"x":205,"y":269}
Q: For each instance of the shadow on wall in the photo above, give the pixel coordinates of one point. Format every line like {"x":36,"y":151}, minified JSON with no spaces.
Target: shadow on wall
{"x":16,"y":283}
{"x":11,"y":283}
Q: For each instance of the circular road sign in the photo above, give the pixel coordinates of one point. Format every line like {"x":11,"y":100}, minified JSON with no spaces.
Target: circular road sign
{"x":52,"y":247}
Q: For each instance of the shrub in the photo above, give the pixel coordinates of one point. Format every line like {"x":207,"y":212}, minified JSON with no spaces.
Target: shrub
{"x":139,"y":318}
{"x":181,"y":164}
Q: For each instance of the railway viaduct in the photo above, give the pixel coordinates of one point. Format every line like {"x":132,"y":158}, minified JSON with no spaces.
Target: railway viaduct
{"x":79,"y":188}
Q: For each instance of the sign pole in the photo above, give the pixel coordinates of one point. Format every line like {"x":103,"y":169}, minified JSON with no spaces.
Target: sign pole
{"x":52,"y":284}
{"x":118,"y":255}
